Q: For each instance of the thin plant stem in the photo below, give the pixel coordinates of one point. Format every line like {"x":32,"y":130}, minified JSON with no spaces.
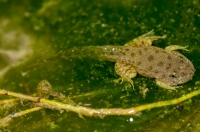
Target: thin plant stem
{"x":6,"y":120}
{"x":103,"y":111}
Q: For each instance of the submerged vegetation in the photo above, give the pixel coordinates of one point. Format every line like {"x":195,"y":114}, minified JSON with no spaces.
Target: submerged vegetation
{"x":46,"y":90}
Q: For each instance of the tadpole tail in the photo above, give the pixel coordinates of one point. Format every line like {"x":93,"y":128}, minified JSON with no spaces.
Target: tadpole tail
{"x":104,"y":53}
{"x":108,"y":52}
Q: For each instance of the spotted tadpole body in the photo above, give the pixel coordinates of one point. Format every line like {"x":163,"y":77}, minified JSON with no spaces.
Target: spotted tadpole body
{"x":167,"y":66}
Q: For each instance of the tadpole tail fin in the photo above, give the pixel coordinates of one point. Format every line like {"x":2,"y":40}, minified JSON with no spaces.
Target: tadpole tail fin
{"x":107,"y":52}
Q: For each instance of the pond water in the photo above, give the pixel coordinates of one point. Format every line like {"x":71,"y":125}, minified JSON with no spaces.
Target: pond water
{"x":32,"y":31}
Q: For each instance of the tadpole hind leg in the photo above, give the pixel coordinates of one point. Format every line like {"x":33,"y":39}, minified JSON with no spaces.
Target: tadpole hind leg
{"x":126,"y":72}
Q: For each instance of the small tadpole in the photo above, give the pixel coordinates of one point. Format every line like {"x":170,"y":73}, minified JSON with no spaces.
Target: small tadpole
{"x":44,"y":89}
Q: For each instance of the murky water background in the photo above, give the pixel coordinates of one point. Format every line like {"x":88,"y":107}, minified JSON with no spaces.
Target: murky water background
{"x":31,"y":31}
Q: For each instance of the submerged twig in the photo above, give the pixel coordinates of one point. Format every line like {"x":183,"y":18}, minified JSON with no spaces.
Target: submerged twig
{"x":103,"y":111}
{"x":8,"y":101}
{"x":6,"y":120}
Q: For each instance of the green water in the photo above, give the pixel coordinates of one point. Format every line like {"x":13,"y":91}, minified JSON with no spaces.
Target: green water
{"x":39,"y":29}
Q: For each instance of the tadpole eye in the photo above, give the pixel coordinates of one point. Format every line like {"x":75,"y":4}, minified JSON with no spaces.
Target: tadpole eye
{"x":180,"y":56}
{"x":172,"y":76}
